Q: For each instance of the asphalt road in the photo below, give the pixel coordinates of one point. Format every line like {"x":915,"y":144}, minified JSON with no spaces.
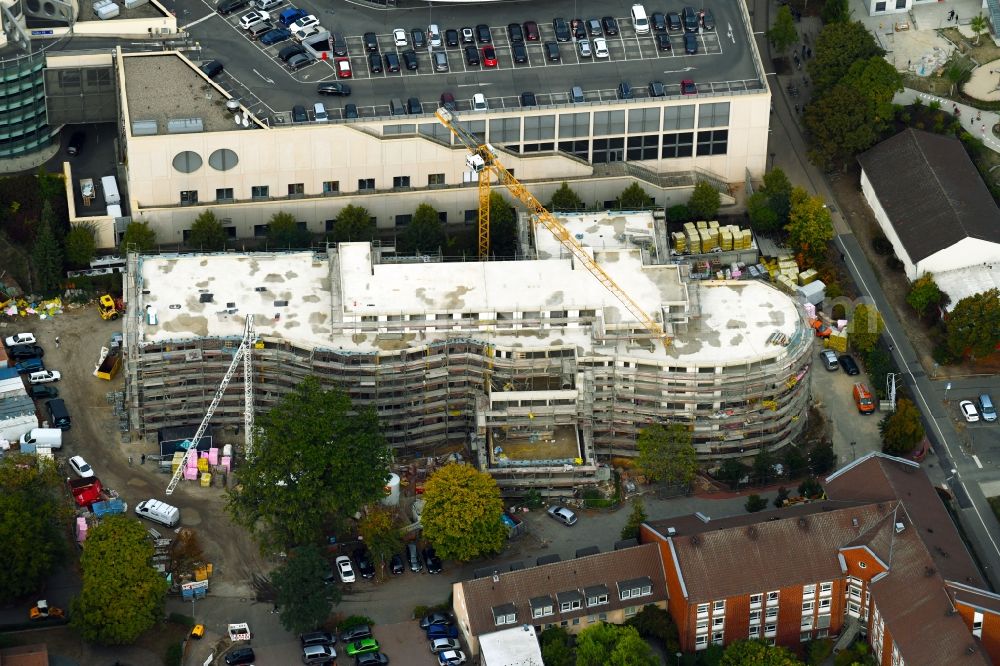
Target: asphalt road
{"x":255,"y":74}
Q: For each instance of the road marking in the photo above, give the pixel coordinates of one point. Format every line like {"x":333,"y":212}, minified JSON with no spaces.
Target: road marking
{"x":975,"y":459}
{"x":196,"y":22}
{"x":264,"y":78}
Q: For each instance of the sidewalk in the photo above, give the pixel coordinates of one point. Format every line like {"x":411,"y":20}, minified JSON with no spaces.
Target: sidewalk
{"x":981,"y":128}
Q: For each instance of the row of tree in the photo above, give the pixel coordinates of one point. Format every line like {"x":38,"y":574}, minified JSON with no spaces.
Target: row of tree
{"x":703,"y":204}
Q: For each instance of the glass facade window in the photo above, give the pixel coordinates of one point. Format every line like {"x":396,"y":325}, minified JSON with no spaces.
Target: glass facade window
{"x":678,"y":145}
{"x":539,"y":128}
{"x":436,"y":130}
{"x":24,"y":129}
{"x":609,"y":122}
{"x":713,"y":142}
{"x":643,"y":120}
{"x":505,"y":130}
{"x":394,"y":130}
{"x":678,"y":117}
{"x":578,"y":148}
{"x":539,"y":147}
{"x":643,"y":147}
{"x":574,"y":124}
{"x":609,"y":150}
{"x":713,"y":115}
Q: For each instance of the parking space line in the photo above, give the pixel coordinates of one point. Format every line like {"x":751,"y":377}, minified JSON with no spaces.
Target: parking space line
{"x":197,"y":21}
{"x":975,"y":459}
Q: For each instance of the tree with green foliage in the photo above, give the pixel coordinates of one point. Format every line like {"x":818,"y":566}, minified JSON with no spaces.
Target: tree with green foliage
{"x":781,"y":497}
{"x":755,"y":503}
{"x":138,"y":237}
{"x":878,"y":80}
{"x":207,"y":232}
{"x":795,"y":461}
{"x":972,"y":328}
{"x":463,"y":512}
{"x":979,"y":25}
{"x":902,"y":430}
{"x":353,"y":223}
{"x":304,"y":602}
{"x":122,"y":595}
{"x":758,"y":653}
{"x":46,"y":255}
{"x":924,"y":294}
{"x":783,"y":33}
{"x":635,"y":519}
{"x":732,"y":471}
{"x":565,"y":199}
{"x":666,"y":453}
{"x":810,"y":488}
{"x":51,"y":185}
{"x":822,"y":458}
{"x":503,"y":227}
{"x":655,"y":623}
{"x":763,"y":465}
{"x":381,"y":534}
{"x":705,"y":201}
{"x":634,"y":197}
{"x":778,"y":189}
{"x":840,"y":125}
{"x":836,"y":11}
{"x":34,"y":521}
{"x":838,"y":46}
{"x":424,"y":234}
{"x":284,"y":232}
{"x":957,"y":71}
{"x":810,"y":228}
{"x":763,"y":219}
{"x":556,"y":648}
{"x":604,"y":644}
{"x":679,"y":213}
{"x":81,"y":245}
{"x":865,"y":327}
{"x":318,"y":460}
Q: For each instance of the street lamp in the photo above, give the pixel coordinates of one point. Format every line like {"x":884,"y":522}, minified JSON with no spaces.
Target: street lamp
{"x":853,"y":457}
{"x":679,"y":655}
{"x":947,"y":387}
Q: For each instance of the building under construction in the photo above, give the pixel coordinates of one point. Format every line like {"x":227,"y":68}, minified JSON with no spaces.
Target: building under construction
{"x":532,"y":366}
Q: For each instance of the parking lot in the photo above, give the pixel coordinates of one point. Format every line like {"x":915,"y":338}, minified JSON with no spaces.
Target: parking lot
{"x":256,"y":74}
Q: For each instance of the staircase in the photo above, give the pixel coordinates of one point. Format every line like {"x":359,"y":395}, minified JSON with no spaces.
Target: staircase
{"x":852,"y":627}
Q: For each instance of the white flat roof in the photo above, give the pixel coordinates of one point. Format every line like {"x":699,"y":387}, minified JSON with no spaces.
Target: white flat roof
{"x":967,"y":281}
{"x":601,"y":231}
{"x":511,"y":647}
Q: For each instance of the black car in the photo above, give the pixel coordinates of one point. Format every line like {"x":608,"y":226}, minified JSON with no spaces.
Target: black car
{"x":364,"y":561}
{"x":396,"y":563}
{"x":21,"y":352}
{"x":241,"y":655}
{"x":419,"y":38}
{"x":414,"y":107}
{"x":392,"y":62}
{"x":335,"y":88}
{"x":410,"y":59}
{"x":355,"y":633}
{"x":519,"y":53}
{"x":562,"y":30}
{"x":229,"y":6}
{"x":299,"y":114}
{"x":690,"y":19}
{"x":625,"y":90}
{"x":528,"y":99}
{"x":212,"y":68}
{"x":707,"y":19}
{"x":435,"y":617}
{"x":471,"y":55}
{"x":375,"y":63}
{"x":483,"y":34}
{"x":552,"y":51}
{"x":610,"y":26}
{"x":674,"y":22}
{"x":371,"y":659}
{"x":451,"y":38}
{"x":657,"y":89}
{"x":662,"y":41}
{"x":371,"y":41}
{"x":579,"y":29}
{"x":515,"y":33}
{"x":75,"y":144}
{"x":299,"y":61}
{"x":339,"y":44}
{"x":287,"y":52}
{"x":350,"y":110}
{"x":432,"y":561}
{"x":690,"y":43}
{"x":848,"y":364}
{"x":658,"y":21}
{"x":43,"y":391}
{"x":594,"y":28}
{"x":448,"y":102}
{"x":317,"y":638}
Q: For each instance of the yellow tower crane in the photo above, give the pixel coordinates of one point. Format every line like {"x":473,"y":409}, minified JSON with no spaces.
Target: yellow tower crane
{"x":483,"y":159}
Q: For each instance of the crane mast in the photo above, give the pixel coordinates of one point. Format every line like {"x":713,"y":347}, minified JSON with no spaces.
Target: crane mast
{"x":243,"y":353}
{"x":483,"y":159}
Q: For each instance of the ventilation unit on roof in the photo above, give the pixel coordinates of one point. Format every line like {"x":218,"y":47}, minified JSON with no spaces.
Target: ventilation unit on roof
{"x":752,"y":533}
{"x":695,"y":540}
{"x":231,"y":305}
{"x":184,"y":125}
{"x":671,"y":531}
{"x":900,"y":527}
{"x":496,"y":578}
{"x":260,"y":289}
{"x":803,"y":523}
{"x":280,"y":304}
{"x":702,"y":517}
{"x":205,"y":298}
{"x":854,"y":521}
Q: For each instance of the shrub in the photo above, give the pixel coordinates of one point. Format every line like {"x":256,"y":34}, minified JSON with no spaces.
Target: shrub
{"x":181,"y":619}
{"x":881,"y":245}
{"x":894,"y":264}
{"x":355,"y":620}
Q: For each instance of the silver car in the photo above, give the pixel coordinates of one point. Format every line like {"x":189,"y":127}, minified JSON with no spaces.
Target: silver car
{"x":562,"y":514}
{"x":584,"y":46}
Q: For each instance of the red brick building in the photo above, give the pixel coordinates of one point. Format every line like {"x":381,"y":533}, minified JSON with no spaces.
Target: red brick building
{"x":879,"y":557}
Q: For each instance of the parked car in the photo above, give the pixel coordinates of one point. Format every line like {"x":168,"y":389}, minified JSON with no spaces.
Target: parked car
{"x":318,"y":654}
{"x":392,"y":62}
{"x":410,"y":60}
{"x":468,"y":36}
{"x":227,"y":7}
{"x":849,"y":365}
{"x":275,"y":36}
{"x":442,"y":644}
{"x":265,"y":5}
{"x":561,"y":28}
{"x":601,"y":48}
{"x":355,"y":633}
{"x":579,"y":27}
{"x":42,"y":391}
{"x":479,"y":102}
{"x":361,"y":646}
{"x":212,"y":68}
{"x":829,"y":359}
{"x":288,"y":51}
{"x":690,"y":19}
{"x":350,"y":110}
{"x":519,"y":53}
{"x":432,"y":561}
{"x":299,"y":61}
{"x":419,"y":38}
{"x":396,"y":561}
{"x":80,"y":466}
{"x":442,"y":631}
{"x":20,"y":352}
{"x":414,"y":107}
{"x":659,"y":21}
{"x":343,"y":67}
{"x":451,"y":658}
{"x":75,"y":144}
{"x":662,"y":41}
{"x":375,"y":63}
{"x":515,"y":33}
{"x":364,"y":561}
{"x":489,"y":56}
{"x":610,"y":26}
{"x":20,"y":339}
{"x":448,"y":102}
{"x":594,"y":27}
{"x":399,"y":37}
{"x":291,"y":15}
{"x":483,"y":35}
{"x":707,"y":19}
{"x":317,"y":638}
{"x":339,"y":44}
{"x":528,"y":99}
{"x":434,"y":35}
{"x":552,"y":51}
{"x":255,"y":17}
{"x":335,"y":88}
{"x":241,"y":655}
{"x":304,"y":23}
{"x":435,"y":617}
{"x":451,"y":39}
{"x":674,"y":22}
{"x":472,"y":55}
{"x":583,"y":46}
{"x":371,"y":41}
{"x":562,"y":514}
{"x":44,"y":376}
{"x":345,"y":569}
{"x":625,"y":90}
{"x":531,"y":31}
{"x":371,"y":659}
{"x":690,"y":43}
{"x":969,"y":411}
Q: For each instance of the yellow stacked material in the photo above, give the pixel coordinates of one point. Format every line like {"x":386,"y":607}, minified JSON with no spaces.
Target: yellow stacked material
{"x":209,"y":568}
{"x":679,"y":241}
{"x":206,"y":478}
{"x":808,"y":276}
{"x":713,"y":224}
{"x":689,"y":228}
{"x":713,"y":237}
{"x":202,"y":573}
{"x":837,"y":341}
{"x":202,"y":464}
{"x":726,"y":239}
{"x":706,"y":240}
{"x":747,"y":239}
{"x":176,"y":461}
{"x":693,"y":240}
{"x":701,"y":224}
{"x":785,"y":283}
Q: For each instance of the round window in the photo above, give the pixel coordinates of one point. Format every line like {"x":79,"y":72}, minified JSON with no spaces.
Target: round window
{"x":223,"y":159}
{"x":187,"y":161}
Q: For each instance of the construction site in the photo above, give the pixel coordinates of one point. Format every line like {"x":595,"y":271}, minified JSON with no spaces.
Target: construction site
{"x":532,"y":368}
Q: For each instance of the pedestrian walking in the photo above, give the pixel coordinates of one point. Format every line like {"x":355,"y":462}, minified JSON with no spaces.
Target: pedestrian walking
{"x":956,"y":17}
{"x":130,"y":461}
{"x":979,"y":116}
{"x":983,"y":129}
{"x":809,"y":52}
{"x":951,"y":15}
{"x":796,"y":108}
{"x":57,"y":342}
{"x":908,"y":63}
{"x":142,"y":460}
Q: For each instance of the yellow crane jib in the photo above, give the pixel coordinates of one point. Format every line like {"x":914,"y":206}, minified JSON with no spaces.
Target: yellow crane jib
{"x":483,"y":160}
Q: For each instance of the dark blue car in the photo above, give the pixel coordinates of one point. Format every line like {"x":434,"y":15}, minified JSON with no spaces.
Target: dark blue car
{"x":442,"y":631}
{"x":275,"y":36}
{"x":291,"y":15}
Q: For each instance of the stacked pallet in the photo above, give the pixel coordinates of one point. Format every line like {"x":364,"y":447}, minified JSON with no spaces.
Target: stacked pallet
{"x":679,"y":242}
{"x":805,"y":277}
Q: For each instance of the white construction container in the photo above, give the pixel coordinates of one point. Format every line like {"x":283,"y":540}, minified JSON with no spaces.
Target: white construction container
{"x":132,"y":4}
{"x":114,"y":210}
{"x":106,"y":9}
{"x":108,"y":183}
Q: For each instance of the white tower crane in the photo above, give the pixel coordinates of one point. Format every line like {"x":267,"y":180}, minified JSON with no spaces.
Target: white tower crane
{"x":243,"y":353}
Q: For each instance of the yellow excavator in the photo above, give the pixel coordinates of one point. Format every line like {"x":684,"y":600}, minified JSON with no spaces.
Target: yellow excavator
{"x":106,"y":306}
{"x":42,"y":611}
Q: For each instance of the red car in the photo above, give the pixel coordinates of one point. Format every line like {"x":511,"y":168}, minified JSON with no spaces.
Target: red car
{"x":343,"y":67}
{"x":489,"y":56}
{"x":531,"y":31}
{"x":688,"y":87}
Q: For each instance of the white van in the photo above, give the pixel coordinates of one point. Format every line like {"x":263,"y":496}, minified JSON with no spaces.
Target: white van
{"x":319,"y":110}
{"x":158,"y":512}
{"x":44,"y":376}
{"x":50,"y":437}
{"x":639,"y":20}
{"x":110,"y":187}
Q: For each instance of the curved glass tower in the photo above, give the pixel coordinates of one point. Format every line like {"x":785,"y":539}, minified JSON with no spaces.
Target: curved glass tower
{"x":24,"y":125}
